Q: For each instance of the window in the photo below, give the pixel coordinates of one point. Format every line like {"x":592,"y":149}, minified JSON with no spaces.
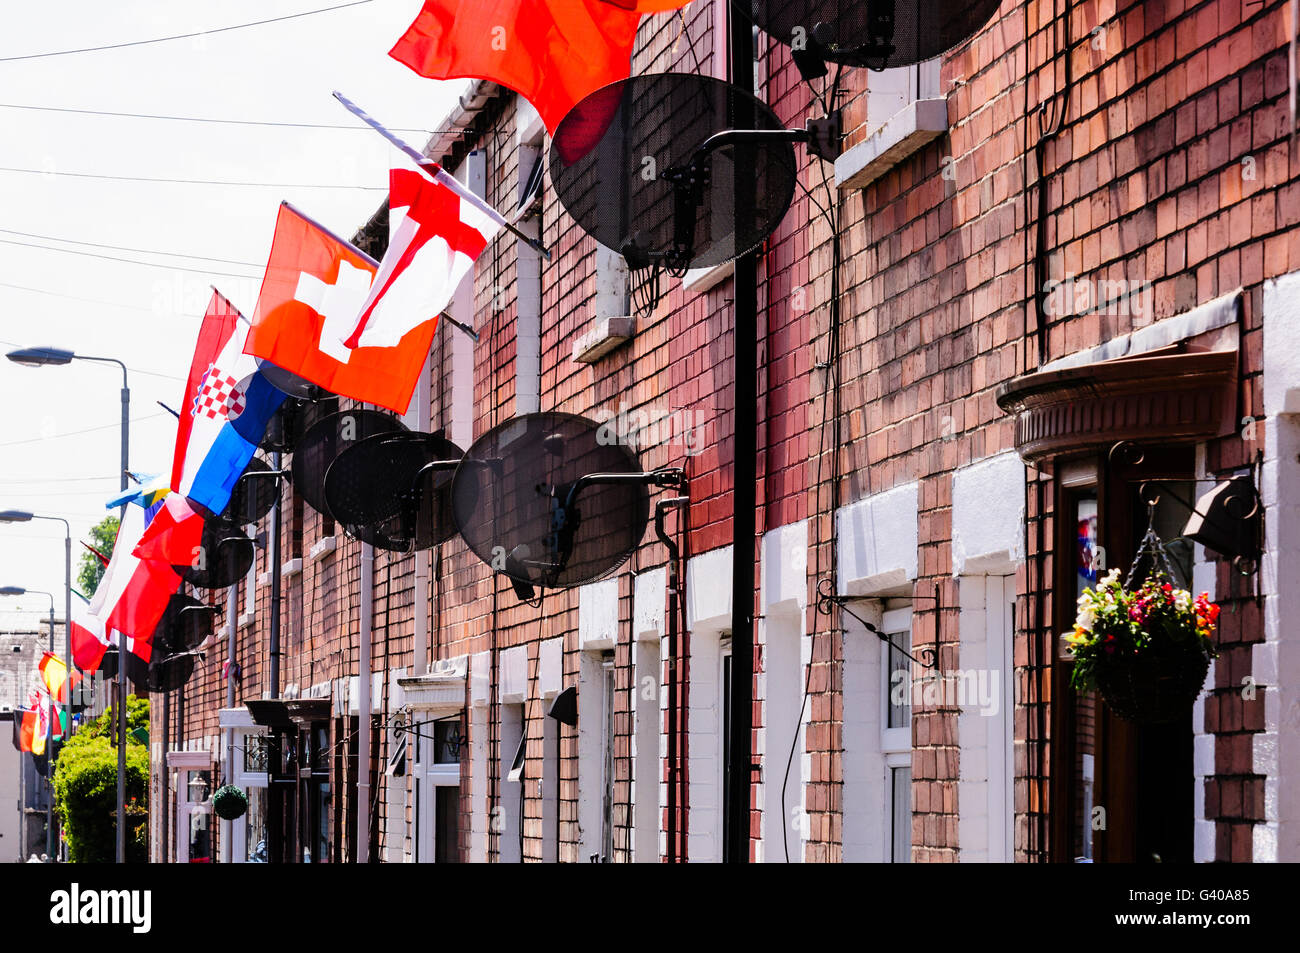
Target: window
{"x":436,"y":773}
{"x":891,"y":91}
{"x":725,"y":716}
{"x":607,"y":759}
{"x":248,"y":833}
{"x":510,"y":819}
{"x":896,"y":732}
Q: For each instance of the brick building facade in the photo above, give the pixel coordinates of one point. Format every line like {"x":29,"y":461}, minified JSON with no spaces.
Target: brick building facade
{"x":941,"y":458}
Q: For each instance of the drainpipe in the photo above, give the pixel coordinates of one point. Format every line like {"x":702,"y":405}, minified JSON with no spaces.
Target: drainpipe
{"x":363,"y":704}
{"x":661,"y":508}
{"x":232,"y":606}
{"x":420,"y":653}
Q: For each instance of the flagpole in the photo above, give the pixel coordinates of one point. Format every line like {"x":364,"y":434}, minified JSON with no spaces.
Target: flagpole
{"x":424,"y":162}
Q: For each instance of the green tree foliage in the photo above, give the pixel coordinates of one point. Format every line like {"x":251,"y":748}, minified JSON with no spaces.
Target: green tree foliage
{"x":89,"y":569}
{"x":85,"y":788}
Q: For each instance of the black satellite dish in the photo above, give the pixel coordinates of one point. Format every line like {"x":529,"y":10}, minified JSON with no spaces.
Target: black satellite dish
{"x":290,"y":383}
{"x":328,"y":437}
{"x":393,"y":490}
{"x":545,"y":499}
{"x":253,"y":495}
{"x":295,"y":417}
{"x":171,"y":672}
{"x":185,"y":623}
{"x":225,"y":556}
{"x":631,"y":165}
{"x":878,"y":34}
{"x":137,"y":670}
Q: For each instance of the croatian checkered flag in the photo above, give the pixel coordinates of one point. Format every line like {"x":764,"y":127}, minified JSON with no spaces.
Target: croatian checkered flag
{"x":227,"y":406}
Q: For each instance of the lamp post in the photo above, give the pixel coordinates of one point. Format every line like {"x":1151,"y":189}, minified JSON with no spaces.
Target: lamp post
{"x":42,"y":357}
{"x":21,"y":516}
{"x":49,"y":810}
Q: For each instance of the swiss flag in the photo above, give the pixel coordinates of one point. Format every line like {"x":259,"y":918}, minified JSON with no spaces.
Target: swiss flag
{"x":551,"y":52}
{"x":315,"y":287}
{"x":437,"y":227}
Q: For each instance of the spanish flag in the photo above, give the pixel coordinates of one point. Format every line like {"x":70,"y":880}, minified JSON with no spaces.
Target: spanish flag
{"x":54,"y":673}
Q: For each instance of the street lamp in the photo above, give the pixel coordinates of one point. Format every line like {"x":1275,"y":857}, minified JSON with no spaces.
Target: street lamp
{"x":42,"y":357}
{"x":22,"y":516}
{"x":50,"y":846}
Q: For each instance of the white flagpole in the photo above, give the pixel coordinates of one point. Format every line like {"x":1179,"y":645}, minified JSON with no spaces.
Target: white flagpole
{"x":428,"y":165}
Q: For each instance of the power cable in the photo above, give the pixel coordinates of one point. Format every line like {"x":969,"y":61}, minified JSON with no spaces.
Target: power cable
{"x":141,"y":251}
{"x":77,"y":433}
{"x":182,"y":36}
{"x":126,"y":261}
{"x":215,"y":121}
{"x":147,"y":178}
{"x":111,"y":304}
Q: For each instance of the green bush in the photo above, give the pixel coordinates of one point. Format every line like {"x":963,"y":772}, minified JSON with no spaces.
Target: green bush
{"x":85,"y":790}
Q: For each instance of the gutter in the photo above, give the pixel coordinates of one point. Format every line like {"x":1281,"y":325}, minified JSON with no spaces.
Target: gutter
{"x":453,"y":126}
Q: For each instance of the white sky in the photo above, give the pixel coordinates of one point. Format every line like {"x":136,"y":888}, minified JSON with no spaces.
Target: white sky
{"x":59,"y":441}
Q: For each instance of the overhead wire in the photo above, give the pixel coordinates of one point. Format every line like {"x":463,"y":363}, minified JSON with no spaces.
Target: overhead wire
{"x":183,"y":36}
{"x":170,"y":181}
{"x":111,"y":304}
{"x":215,"y":120}
{"x":125,"y":261}
{"x":128,"y":248}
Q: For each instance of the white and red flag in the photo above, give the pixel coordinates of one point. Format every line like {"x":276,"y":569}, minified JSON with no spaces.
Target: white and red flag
{"x":133,"y":592}
{"x":437,"y":228}
{"x":89,"y":638}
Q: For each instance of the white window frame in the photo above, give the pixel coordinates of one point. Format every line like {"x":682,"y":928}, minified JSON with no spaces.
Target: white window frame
{"x":893,"y":90}
{"x":245,"y":780}
{"x":427,"y":777}
{"x":895,"y":743}
{"x":181,"y":763}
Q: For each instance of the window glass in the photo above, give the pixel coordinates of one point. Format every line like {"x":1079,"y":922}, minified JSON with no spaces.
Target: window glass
{"x":901,"y":824}
{"x":255,"y":819}
{"x":900,"y":681}
{"x":447,"y":836}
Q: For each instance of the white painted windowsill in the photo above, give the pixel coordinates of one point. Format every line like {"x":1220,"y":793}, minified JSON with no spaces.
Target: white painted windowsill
{"x":322,"y":548}
{"x":902,"y":134}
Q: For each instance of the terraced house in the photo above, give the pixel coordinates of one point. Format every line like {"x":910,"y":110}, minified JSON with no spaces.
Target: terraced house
{"x":1066,"y":264}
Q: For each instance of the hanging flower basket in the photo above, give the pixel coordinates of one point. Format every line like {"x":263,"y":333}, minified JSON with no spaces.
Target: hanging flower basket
{"x":229,"y":802}
{"x":1146,"y":650}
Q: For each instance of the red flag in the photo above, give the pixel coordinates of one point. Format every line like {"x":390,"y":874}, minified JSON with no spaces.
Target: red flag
{"x":98,"y":555}
{"x":134,"y":593}
{"x":551,"y":52}
{"x":315,"y":287}
{"x":89,"y":640}
{"x":174,"y":534}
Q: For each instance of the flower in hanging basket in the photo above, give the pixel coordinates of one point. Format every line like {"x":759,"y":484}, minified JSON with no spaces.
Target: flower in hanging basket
{"x":1146,"y":650}
{"x":229,"y":802}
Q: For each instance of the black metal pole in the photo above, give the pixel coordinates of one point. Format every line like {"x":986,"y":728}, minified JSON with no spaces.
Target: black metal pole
{"x":275,"y":832}
{"x":744,"y":465}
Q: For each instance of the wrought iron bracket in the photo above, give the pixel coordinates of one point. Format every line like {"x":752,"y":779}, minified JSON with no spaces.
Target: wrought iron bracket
{"x":827,"y":597}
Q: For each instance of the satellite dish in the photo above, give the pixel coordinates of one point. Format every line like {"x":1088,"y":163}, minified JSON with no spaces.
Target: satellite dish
{"x":225,"y":556}
{"x":137,"y":670}
{"x":393,"y":490}
{"x":171,"y":672}
{"x":252,"y":496}
{"x":547,"y":500}
{"x":290,"y":383}
{"x":878,"y":34}
{"x":184,"y":625}
{"x":628,"y":165}
{"x":293,"y":418}
{"x":328,"y":437}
